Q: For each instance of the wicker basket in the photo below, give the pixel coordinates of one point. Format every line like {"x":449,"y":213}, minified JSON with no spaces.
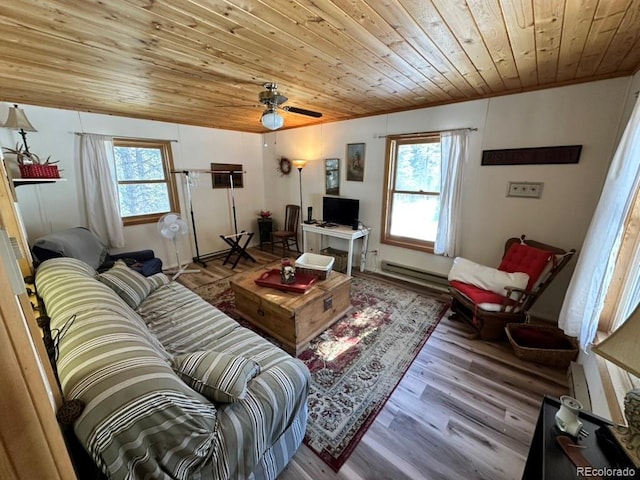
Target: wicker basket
{"x":39,"y":171}
{"x":312,"y":264}
{"x":542,"y":344}
{"x":340,"y":264}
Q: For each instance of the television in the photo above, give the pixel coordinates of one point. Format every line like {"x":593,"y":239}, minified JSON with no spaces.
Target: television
{"x":343,"y":211}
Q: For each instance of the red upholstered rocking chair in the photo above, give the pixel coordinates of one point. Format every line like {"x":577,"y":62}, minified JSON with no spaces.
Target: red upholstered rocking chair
{"x":490,"y":298}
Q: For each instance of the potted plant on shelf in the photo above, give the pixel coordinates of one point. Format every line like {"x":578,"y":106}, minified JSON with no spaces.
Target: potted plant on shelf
{"x":31,"y":165}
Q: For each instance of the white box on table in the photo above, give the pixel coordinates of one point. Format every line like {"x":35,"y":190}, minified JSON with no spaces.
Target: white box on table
{"x":314,"y":264}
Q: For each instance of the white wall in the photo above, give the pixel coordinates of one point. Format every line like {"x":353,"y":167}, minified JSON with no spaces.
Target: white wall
{"x":586,"y":114}
{"x":50,"y":207}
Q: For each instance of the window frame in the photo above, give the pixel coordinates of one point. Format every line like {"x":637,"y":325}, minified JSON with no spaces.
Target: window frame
{"x":393,"y":141}
{"x":616,"y":381}
{"x":610,"y":315}
{"x":169,"y":179}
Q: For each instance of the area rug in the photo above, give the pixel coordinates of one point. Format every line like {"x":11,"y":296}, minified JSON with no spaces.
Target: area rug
{"x":356,"y":364}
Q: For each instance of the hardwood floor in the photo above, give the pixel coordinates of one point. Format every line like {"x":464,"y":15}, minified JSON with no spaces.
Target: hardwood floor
{"x":215,"y":270}
{"x":466,"y":409}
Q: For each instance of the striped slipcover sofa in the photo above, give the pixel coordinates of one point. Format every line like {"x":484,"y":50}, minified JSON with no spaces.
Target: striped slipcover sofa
{"x":173,"y":388}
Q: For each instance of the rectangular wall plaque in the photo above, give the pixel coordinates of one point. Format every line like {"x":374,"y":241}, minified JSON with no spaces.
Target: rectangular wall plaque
{"x":222,"y":173}
{"x":525,"y":189}
{"x":532,"y":156}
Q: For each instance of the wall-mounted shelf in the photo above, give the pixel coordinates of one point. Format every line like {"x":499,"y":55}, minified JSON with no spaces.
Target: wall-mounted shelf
{"x":33,"y":181}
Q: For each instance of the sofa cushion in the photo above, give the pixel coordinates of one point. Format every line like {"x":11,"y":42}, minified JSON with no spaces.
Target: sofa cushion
{"x":221,"y":377}
{"x":70,"y":288}
{"x":486,"y":278}
{"x":130,"y":285}
{"x":485,"y":299}
{"x":525,"y":258}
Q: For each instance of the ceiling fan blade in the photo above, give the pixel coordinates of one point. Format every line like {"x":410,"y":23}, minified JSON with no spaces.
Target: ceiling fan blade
{"x":302,"y":111}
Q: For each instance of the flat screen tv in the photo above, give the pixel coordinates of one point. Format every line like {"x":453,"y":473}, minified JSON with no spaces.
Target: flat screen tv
{"x":343,"y":211}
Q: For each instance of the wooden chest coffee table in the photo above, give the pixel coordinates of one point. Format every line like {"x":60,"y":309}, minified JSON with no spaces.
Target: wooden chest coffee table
{"x":292,"y":318}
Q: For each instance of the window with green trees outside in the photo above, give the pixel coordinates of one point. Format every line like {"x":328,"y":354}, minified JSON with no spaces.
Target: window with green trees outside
{"x":412,"y":192}
{"x":146,"y":186}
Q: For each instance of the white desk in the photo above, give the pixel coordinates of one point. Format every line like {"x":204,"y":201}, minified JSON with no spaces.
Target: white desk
{"x":346,"y":233}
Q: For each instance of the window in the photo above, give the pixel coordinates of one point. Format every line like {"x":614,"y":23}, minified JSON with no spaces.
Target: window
{"x":412,"y":191}
{"x":623,"y":293}
{"x":146,"y":186}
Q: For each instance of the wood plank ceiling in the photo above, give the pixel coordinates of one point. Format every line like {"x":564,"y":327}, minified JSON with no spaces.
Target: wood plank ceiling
{"x":204,"y":62}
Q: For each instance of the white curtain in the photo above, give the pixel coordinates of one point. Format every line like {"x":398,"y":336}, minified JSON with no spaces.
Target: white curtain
{"x":99,"y":182}
{"x":454,"y":153}
{"x":585,"y":296}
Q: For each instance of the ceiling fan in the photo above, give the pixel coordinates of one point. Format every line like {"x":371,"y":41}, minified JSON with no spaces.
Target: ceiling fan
{"x":273,"y":101}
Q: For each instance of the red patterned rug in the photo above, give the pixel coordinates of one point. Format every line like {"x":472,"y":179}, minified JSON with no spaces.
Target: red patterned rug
{"x":357,"y":363}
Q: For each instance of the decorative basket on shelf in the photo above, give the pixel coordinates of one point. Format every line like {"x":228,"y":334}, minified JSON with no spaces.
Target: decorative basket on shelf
{"x":39,"y":171}
{"x":30,"y":164}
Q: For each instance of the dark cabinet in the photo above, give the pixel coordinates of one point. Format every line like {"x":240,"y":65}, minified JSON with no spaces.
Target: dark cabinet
{"x":265,"y":227}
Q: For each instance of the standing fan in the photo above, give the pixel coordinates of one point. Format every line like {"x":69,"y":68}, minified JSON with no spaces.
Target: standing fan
{"x":170,"y":226}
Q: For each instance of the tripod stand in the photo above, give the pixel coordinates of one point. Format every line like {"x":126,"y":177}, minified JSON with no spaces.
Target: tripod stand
{"x":235,"y":240}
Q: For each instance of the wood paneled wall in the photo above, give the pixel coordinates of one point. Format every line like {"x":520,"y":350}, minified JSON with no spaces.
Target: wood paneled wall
{"x":31,"y":442}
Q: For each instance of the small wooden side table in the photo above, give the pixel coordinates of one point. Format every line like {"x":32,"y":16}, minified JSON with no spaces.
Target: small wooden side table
{"x":547,"y":460}
{"x":265,"y":227}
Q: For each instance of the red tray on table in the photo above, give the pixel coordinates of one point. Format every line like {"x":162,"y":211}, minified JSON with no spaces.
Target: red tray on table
{"x":271,"y":279}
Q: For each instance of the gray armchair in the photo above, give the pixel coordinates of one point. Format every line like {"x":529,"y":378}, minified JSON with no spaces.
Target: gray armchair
{"x":82,"y":244}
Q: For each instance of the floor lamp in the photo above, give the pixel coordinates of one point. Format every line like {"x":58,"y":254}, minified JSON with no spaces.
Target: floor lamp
{"x":300,"y":164}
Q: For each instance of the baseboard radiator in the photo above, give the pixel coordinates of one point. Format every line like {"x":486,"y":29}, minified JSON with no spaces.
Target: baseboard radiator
{"x":433,"y":279}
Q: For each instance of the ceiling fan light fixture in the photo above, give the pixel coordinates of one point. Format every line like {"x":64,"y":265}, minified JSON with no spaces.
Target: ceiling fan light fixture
{"x":271,"y":120}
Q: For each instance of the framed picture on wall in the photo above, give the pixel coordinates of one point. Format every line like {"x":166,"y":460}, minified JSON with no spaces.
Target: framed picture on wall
{"x":355,"y":162}
{"x":532,"y":156}
{"x":222,"y":173}
{"x":332,"y":176}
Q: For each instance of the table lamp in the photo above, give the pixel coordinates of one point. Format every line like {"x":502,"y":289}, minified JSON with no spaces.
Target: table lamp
{"x":622,"y":347}
{"x":17,"y":120}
